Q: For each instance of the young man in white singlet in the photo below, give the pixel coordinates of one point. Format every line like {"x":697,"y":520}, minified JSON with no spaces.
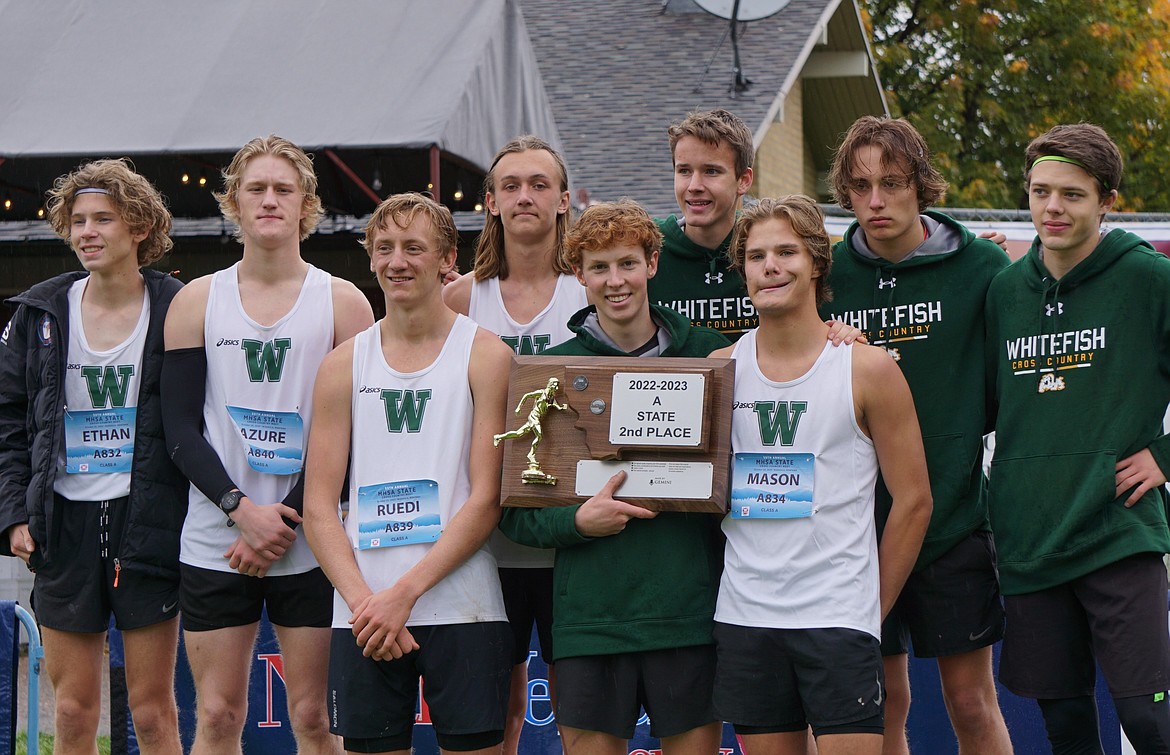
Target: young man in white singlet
{"x":243,"y":348}
{"x":522,"y":289}
{"x":805,"y":585}
{"x":89,"y":499}
{"x":411,"y":405}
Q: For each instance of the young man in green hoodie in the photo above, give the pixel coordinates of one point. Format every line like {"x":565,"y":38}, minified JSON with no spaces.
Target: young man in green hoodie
{"x":1079,"y":338}
{"x":712,"y":153}
{"x":634,"y":591}
{"x":915,"y":281}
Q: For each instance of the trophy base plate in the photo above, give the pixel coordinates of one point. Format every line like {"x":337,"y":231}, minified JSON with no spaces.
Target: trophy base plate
{"x":537,"y":477}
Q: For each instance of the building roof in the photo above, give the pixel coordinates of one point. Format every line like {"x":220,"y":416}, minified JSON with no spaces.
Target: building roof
{"x":618,"y":73}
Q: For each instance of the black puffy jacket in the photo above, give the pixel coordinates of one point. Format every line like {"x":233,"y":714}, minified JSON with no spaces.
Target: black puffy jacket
{"x":32,"y":407}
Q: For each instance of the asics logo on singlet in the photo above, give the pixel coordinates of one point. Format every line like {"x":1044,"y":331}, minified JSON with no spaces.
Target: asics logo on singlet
{"x":779,"y":420}
{"x":107,"y":386}
{"x":710,"y":278}
{"x":227,"y":342}
{"x":265,"y":359}
{"x":1050,"y":310}
{"x":891,"y":283}
{"x":405,"y":409}
{"x":528,"y":345}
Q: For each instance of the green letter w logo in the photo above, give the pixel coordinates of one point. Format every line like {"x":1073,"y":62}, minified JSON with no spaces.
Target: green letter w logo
{"x":265,"y":359}
{"x":528,"y":345}
{"x":405,"y":407}
{"x":782,"y":422}
{"x":107,"y":386}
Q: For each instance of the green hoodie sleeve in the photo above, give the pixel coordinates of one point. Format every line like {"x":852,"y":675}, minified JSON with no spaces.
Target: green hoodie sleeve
{"x":550,"y":527}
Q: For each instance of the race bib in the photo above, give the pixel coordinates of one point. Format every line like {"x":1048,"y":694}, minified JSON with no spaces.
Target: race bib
{"x":772,"y":486}
{"x":398,"y":513}
{"x":274,"y":441}
{"x":100,"y":441}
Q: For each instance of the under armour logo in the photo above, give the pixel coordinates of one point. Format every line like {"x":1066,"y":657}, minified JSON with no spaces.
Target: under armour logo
{"x":891,"y":283}
{"x":1058,"y":309}
{"x":713,"y":278}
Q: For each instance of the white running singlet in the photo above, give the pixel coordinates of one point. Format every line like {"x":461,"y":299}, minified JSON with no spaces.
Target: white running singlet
{"x":101,"y":409}
{"x":257,"y":409}
{"x":549,"y":328}
{"x":410,"y":453}
{"x":815,"y":571}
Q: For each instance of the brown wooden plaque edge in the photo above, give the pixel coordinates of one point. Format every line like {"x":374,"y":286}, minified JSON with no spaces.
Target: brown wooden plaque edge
{"x":565,"y":441}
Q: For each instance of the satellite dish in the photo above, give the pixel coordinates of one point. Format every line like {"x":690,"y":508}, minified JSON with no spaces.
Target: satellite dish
{"x":749,"y":10}
{"x":737,"y":11}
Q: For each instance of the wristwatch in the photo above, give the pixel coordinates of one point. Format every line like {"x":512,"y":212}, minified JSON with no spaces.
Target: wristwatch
{"x":229,"y":502}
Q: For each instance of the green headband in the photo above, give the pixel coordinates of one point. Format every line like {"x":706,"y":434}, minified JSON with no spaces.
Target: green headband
{"x":1071,"y":161}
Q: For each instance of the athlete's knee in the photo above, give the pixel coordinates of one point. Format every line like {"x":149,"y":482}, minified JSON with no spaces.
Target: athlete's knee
{"x":218,"y":719}
{"x":1071,"y":723}
{"x":76,"y":717}
{"x":972,"y":706}
{"x":1146,"y":722}
{"x":309,"y":718}
{"x":155,"y":719}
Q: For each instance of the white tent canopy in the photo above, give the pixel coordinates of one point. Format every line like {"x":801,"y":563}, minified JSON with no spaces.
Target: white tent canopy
{"x":158,"y":76}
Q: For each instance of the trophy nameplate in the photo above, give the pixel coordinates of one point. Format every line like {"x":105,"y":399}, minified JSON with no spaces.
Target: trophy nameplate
{"x":665,"y":421}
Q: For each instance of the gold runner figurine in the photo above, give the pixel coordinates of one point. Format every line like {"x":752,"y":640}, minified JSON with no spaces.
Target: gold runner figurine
{"x":543,"y":400}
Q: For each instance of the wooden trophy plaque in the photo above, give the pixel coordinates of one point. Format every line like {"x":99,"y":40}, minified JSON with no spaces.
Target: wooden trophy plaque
{"x":666,"y":422}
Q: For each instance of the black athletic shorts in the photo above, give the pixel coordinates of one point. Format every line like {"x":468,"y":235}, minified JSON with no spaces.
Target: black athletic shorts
{"x":528,"y":599}
{"x":219,"y":599}
{"x":781,"y":680}
{"x":605,"y":692}
{"x":466,"y":671}
{"x":84,"y":583}
{"x":1115,"y":615}
{"x":951,"y":606}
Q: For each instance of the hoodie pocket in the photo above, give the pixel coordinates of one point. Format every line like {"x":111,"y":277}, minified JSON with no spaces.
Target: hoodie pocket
{"x":949,"y":461}
{"x":1047,"y":505}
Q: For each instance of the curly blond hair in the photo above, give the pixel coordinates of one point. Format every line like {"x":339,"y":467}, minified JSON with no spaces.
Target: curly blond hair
{"x":140,"y":205}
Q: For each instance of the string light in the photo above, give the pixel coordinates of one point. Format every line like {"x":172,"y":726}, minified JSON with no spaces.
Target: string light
{"x":8,"y":202}
{"x":202,"y":179}
{"x":40,"y":212}
{"x":186,"y":178}
{"x":478,"y":207}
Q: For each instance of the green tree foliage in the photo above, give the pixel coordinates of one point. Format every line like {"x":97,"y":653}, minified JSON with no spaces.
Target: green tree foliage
{"x":981,"y":79}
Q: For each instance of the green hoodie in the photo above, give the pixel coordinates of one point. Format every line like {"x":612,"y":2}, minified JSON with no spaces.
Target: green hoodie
{"x":1082,"y":377}
{"x":651,"y":586}
{"x":927,"y":311}
{"x":697,"y":282}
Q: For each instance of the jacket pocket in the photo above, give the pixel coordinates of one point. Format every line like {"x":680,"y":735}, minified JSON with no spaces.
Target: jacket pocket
{"x":1047,"y":505}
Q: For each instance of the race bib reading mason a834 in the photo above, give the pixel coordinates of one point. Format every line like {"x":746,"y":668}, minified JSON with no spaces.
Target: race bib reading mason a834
{"x":772,"y":486}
